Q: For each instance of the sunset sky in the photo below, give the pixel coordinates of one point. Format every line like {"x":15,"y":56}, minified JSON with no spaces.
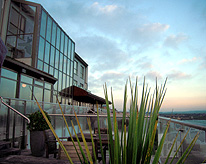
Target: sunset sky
{"x":151,"y":38}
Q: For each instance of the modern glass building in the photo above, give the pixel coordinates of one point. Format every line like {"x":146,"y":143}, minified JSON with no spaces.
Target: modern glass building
{"x":40,"y":54}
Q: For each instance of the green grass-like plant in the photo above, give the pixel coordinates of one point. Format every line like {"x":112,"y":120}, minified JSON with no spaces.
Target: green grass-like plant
{"x":137,"y":145}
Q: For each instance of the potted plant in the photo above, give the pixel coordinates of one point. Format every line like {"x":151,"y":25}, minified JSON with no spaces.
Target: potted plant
{"x":37,"y":136}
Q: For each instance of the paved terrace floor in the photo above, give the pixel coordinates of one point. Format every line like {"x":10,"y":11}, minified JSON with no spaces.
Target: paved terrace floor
{"x":27,"y":158}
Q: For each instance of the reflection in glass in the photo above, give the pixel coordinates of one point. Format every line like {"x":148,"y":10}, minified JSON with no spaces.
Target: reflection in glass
{"x":61,"y":61}
{"x":72,"y":51}
{"x":46,"y":67}
{"x":57,"y":59}
{"x":62,"y":41}
{"x":69,"y":49}
{"x":38,"y":93}
{"x":58,"y":38}
{"x":47,"y":95}
{"x":9,"y":74}
{"x":25,"y":92}
{"x":43,"y":24}
{"x":47,"y":85}
{"x":47,"y":53}
{"x":60,"y":81}
{"x":49,"y":26}
{"x":65,"y":64}
{"x":40,"y":65}
{"x":52,"y":54}
{"x":51,"y":70}
{"x":26,"y":79}
{"x":41,"y":48}
{"x":71,"y":69}
{"x":54,"y":27}
{"x":7,"y":88}
{"x":66,"y":46}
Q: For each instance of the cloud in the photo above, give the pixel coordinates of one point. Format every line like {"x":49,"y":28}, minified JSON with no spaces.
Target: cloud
{"x":183,"y":61}
{"x":178,"y":75}
{"x":105,"y":9}
{"x":173,"y":41}
{"x":152,"y":75}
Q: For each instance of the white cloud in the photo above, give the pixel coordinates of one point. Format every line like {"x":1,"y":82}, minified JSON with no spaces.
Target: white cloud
{"x":187,"y":60}
{"x":152,"y":75}
{"x":178,"y":75}
{"x":173,"y":41}
{"x":105,"y":9}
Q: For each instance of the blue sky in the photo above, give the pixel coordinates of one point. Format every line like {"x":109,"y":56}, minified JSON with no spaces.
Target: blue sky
{"x":150,"y":38}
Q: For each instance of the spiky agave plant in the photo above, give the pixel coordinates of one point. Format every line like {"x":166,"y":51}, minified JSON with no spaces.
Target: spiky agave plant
{"x":137,"y":147}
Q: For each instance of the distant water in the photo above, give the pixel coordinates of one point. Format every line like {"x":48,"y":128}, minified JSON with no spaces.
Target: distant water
{"x":196,"y":122}
{"x":185,"y":112}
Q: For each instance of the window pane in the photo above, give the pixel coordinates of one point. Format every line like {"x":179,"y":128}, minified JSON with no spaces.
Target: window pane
{"x":58,"y":38}
{"x":26,"y":79}
{"x":71,"y":69}
{"x":68,"y":66}
{"x":66,"y":46}
{"x":40,"y":65}
{"x":43,"y":24}
{"x":47,"y":53}
{"x":57,"y":59}
{"x":72,"y":52}
{"x":9,"y":74}
{"x":7,"y":88}
{"x":54,"y":28}
{"x":47,"y":85}
{"x":56,"y":73}
{"x":62,"y":41}
{"x":69,"y":49}
{"x":38,"y":83}
{"x":60,"y":81}
{"x":75,"y":67}
{"x":60,"y":61}
{"x":65,"y":65}
{"x":47,"y":95}
{"x":51,"y":70}
{"x":25,"y":92}
{"x":46,"y":68}
{"x":41,"y":48}
{"x":14,"y":17}
{"x":64,"y":81}
{"x":52,"y":54}
{"x":38,"y":92}
{"x":49,"y":25}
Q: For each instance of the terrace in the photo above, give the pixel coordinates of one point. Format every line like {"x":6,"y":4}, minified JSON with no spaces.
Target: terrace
{"x":13,"y":128}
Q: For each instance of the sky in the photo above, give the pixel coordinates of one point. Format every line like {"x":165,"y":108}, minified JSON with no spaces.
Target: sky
{"x":139,"y":38}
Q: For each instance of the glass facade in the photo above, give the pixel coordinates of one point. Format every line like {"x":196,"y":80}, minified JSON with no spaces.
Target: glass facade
{"x":30,"y":33}
{"x":20,"y":32}
{"x":55,"y":53}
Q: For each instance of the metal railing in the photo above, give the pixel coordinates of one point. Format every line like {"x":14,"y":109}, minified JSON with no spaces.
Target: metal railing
{"x":15,"y":110}
{"x":14,"y":127}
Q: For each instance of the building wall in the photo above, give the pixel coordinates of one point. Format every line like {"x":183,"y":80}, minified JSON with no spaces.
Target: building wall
{"x":36,"y":40}
{"x":80,"y":74}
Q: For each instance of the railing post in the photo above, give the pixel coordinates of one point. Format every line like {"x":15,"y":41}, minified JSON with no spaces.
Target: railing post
{"x":23,"y":144}
{"x":8,"y":122}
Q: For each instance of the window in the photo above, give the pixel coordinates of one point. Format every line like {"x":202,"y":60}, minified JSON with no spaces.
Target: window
{"x":17,"y":23}
{"x":75,"y":82}
{"x":76,"y":67}
{"x":81,"y":85}
{"x":82,"y":72}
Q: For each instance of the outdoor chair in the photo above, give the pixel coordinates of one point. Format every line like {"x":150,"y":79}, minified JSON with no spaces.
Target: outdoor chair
{"x":105,"y":147}
{"x":72,"y":152}
{"x":51,"y":143}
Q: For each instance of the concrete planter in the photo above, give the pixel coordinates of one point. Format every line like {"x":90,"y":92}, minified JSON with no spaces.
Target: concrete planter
{"x":37,"y":143}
